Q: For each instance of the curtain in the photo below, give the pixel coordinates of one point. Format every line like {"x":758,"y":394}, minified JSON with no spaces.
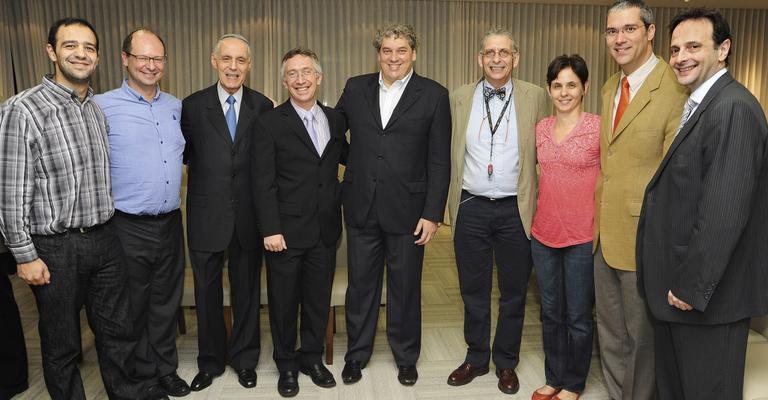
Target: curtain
{"x":341,"y":32}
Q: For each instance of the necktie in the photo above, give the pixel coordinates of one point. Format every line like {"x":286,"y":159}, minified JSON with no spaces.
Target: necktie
{"x":231,"y":117}
{"x":690,"y":104}
{"x":309,"y":124}
{"x":489,"y":93}
{"x":623,"y":102}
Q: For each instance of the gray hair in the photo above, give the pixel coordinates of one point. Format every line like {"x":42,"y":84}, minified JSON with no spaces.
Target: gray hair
{"x":396,"y":31}
{"x":498,"y":31}
{"x":646,"y":15}
{"x":217,"y":47}
{"x":300,"y":51}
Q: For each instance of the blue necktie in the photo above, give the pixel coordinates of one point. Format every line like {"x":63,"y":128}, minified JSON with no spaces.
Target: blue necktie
{"x":231,"y":117}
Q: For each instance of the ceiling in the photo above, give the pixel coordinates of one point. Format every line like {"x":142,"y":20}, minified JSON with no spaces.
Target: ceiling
{"x":755,"y":4}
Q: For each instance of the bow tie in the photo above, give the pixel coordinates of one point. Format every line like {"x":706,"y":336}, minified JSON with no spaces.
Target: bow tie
{"x":489,"y":93}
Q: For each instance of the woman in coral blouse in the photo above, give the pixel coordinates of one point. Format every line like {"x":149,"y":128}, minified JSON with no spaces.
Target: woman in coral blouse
{"x":568,"y":152}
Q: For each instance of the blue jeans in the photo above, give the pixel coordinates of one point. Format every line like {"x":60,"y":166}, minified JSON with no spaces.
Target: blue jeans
{"x":566,"y":284}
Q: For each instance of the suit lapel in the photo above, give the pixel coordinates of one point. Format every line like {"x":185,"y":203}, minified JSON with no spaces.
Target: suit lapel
{"x":641,"y":99}
{"x":296,"y":125}
{"x":247,"y":113}
{"x":372,"y":96}
{"x":410,"y":95}
{"x":332,"y":128}
{"x":463,"y":109}
{"x":523,"y":107}
{"x":722,"y":82}
{"x":215,"y":115}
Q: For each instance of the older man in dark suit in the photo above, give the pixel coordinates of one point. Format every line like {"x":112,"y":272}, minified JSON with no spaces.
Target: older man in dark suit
{"x":701,"y":242}
{"x":394,"y":192}
{"x":296,"y":153}
{"x":217,"y":124}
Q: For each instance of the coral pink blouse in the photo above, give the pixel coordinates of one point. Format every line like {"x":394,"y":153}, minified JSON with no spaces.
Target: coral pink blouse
{"x":567,"y":173}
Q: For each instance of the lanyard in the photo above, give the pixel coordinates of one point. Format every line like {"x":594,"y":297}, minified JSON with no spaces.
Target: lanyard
{"x":494,"y":127}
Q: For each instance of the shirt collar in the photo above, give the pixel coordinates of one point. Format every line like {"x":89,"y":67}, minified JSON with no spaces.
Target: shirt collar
{"x":136,"y":95}
{"x":397,"y":83}
{"x":637,"y":77}
{"x":303,"y":112}
{"x":507,"y":86}
{"x":63,"y":91}
{"x":701,"y":91}
{"x":224,"y":95}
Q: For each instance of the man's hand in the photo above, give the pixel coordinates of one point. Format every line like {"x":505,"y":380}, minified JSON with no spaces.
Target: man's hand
{"x":34,"y":272}
{"x":675,"y":302}
{"x":275,"y":243}
{"x":427,"y":229}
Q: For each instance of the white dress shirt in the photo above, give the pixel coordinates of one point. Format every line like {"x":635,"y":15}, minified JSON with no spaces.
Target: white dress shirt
{"x":390,"y":96}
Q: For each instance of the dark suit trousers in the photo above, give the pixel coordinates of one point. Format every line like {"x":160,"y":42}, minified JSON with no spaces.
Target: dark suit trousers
{"x":368,"y":249}
{"x":13,"y":352}
{"x":154,"y":260}
{"x":299,"y":276}
{"x":86,"y":269}
{"x":244,"y":281}
{"x":487,"y":231}
{"x":700,"y":361}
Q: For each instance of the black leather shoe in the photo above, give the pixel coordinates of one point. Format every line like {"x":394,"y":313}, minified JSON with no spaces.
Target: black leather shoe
{"x":174,"y":386}
{"x":246,"y":377}
{"x":351,"y":372}
{"x":320,"y":375}
{"x":201,"y":381}
{"x":155,"y":392}
{"x":407,"y":374}
{"x":288,"y":383}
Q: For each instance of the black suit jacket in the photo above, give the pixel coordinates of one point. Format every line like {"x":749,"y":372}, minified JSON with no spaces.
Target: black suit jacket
{"x":703,"y":229}
{"x":219,"y":196}
{"x":406,"y":164}
{"x":297,"y":191}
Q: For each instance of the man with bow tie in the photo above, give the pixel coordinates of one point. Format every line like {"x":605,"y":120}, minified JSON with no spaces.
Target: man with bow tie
{"x":491,"y":200}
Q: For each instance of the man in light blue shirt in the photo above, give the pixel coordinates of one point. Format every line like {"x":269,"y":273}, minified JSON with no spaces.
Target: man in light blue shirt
{"x":146,"y":147}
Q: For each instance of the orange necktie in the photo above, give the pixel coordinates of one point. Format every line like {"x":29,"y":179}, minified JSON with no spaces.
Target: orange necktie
{"x":623,"y":102}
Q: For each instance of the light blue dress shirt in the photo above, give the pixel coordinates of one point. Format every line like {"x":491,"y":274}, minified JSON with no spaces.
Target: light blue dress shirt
{"x":503,"y":182}
{"x":146,"y":148}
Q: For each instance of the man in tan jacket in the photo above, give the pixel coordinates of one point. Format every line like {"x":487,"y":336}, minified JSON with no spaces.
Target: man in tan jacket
{"x":491,"y":200}
{"x":641,"y":107}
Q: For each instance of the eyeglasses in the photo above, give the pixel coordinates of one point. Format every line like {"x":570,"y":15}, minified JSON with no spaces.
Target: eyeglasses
{"x":147,"y":59}
{"x":501,"y":53}
{"x":626,"y":29}
{"x":294,"y":73}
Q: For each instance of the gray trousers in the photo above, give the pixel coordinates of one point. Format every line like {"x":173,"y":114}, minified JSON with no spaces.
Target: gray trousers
{"x":624,"y":332}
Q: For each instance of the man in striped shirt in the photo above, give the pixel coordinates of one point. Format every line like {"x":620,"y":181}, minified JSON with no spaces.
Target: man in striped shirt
{"x":55,"y":207}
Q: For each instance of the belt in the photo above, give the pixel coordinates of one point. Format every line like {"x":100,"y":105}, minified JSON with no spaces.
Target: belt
{"x":146,"y":217}
{"x":87,"y":229}
{"x":488,"y":198}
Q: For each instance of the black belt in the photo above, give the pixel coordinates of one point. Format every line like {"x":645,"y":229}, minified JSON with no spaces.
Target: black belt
{"x":489,"y":198}
{"x":146,"y":217}
{"x":87,"y":229}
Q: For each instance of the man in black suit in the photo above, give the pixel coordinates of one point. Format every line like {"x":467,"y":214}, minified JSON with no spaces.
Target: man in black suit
{"x":701,"y":239}
{"x":296,"y":152}
{"x":394,"y":191}
{"x":217,"y":123}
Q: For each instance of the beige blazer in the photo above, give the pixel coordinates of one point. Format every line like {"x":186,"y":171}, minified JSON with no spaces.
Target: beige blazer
{"x":629,"y":158}
{"x":530,"y":106}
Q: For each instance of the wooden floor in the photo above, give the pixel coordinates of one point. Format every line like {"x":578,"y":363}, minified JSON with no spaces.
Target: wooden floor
{"x":443,"y":349}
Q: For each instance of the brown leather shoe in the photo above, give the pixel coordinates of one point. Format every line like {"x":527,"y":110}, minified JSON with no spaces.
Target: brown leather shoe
{"x":508,"y":382}
{"x":465,"y":374}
